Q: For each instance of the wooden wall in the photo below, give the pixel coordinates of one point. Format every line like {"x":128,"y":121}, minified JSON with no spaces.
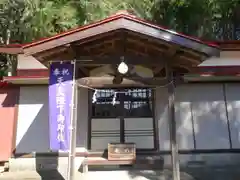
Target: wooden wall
{"x":8,"y":118}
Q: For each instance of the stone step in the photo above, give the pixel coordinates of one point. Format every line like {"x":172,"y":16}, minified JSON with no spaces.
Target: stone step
{"x":3,"y":167}
{"x":41,"y":163}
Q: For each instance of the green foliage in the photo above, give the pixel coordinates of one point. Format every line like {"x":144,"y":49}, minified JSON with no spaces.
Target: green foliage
{"x":27,"y":20}
{"x":23,"y":21}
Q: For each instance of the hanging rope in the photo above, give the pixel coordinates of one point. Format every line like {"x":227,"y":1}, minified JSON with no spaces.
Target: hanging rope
{"x":96,"y":91}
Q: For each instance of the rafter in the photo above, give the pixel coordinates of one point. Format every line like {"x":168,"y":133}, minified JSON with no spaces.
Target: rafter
{"x":130,"y":59}
{"x":139,"y":49}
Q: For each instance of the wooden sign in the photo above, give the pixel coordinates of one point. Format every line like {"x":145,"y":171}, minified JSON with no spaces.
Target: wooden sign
{"x":121,"y":151}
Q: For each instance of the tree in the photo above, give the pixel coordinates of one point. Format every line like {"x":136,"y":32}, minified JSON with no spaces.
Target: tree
{"x":207,"y":19}
{"x":100,"y":9}
{"x":23,"y":21}
{"x":10,"y":29}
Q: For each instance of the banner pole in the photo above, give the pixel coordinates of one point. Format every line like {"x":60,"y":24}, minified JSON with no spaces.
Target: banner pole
{"x":73,"y":132}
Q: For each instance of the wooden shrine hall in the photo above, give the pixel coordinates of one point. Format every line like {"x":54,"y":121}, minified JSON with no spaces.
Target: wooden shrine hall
{"x":154,"y":57}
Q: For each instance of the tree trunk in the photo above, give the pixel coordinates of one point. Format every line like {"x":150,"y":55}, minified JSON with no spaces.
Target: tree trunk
{"x":12,"y":65}
{"x":11,"y":59}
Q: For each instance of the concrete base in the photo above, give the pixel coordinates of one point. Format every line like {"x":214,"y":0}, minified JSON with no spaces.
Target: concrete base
{"x":43,"y":165}
{"x":166,"y":174}
{"x":193,"y":167}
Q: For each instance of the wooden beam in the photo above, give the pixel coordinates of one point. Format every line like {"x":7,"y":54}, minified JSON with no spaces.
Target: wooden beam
{"x":97,"y":45}
{"x":158,"y":47}
{"x":93,"y":39}
{"x":192,"y":52}
{"x":149,"y":39}
{"x":84,"y":70}
{"x":187,"y":68}
{"x":172,"y":124}
{"x":133,"y":60}
{"x":172,"y":51}
{"x":47,"y":53}
{"x":100,"y":82}
{"x":157,"y":69}
{"x":189,"y":60}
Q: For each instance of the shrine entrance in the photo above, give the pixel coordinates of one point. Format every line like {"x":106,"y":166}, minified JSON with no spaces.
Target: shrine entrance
{"x":128,"y":115}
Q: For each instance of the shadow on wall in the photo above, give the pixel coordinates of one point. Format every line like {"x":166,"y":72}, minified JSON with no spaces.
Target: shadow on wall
{"x":33,"y":126}
{"x":233,"y":106}
{"x":33,"y":130}
{"x":212,"y":114}
{"x":8,"y":101}
{"x":9,"y":97}
{"x":201,"y":117}
{"x":206,"y":105}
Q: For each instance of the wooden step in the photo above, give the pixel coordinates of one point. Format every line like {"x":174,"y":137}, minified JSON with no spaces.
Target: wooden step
{"x":103,"y":161}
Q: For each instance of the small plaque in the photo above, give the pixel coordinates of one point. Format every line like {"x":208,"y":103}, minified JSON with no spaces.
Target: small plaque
{"x":121,"y":151}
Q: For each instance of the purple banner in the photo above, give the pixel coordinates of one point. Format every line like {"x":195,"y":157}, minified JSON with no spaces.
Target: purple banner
{"x":60,"y":99}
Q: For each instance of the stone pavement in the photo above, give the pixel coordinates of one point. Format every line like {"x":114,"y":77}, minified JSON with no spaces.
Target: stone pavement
{"x":208,"y":174}
{"x":107,"y":175}
{"x":20,"y":175}
{"x":33,"y":175}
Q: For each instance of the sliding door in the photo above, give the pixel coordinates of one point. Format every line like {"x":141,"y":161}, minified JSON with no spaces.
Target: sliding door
{"x":138,"y":118}
{"x":122,"y":115}
{"x":105,"y":121}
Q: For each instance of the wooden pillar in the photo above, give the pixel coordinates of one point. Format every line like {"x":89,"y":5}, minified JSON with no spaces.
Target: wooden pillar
{"x":122,"y":121}
{"x":73,"y":135}
{"x":172,"y":124}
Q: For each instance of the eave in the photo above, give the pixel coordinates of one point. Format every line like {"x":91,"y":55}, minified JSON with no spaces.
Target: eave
{"x":27,"y":80}
{"x":210,"y":78}
{"x":127,"y":23}
{"x":11,"y":49}
{"x":229,"y":45}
